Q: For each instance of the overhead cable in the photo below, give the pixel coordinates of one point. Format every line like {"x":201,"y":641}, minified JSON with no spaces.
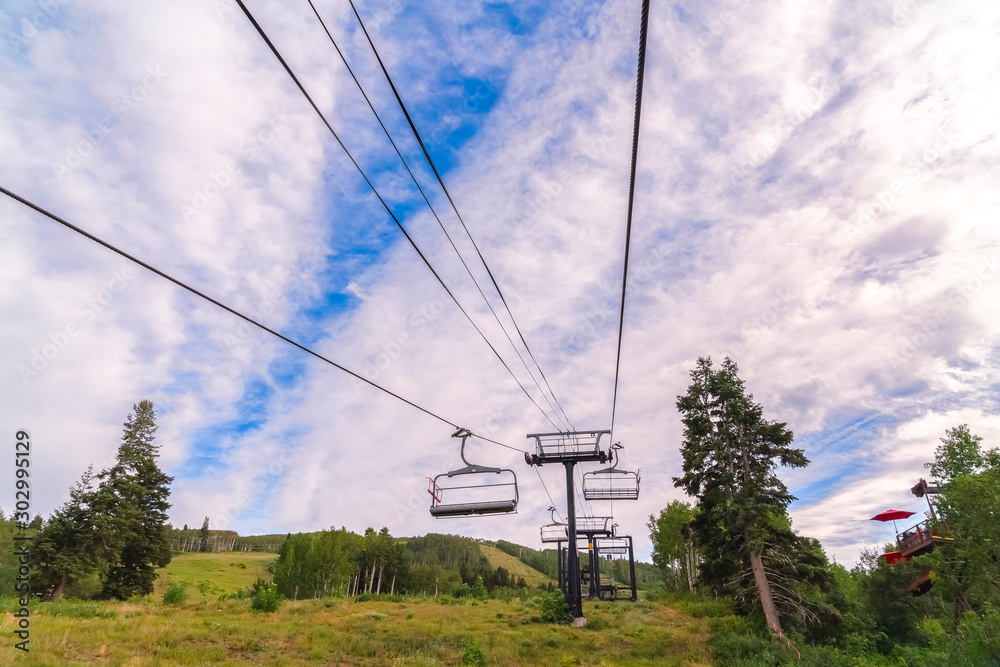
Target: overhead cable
{"x":430,"y":161}
{"x":233,"y":311}
{"x":371,"y":185}
{"x":644,"y":23}
{"x":429,"y":206}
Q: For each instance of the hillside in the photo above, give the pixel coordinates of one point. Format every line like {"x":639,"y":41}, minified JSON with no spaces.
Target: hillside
{"x":214,"y":573}
{"x":516,"y":568}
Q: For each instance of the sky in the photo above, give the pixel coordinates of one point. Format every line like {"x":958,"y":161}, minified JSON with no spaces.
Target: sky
{"x":816,"y":197}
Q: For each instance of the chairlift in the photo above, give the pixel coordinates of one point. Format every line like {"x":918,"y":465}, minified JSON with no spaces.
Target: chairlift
{"x":611,"y":483}
{"x":478,"y":497}
{"x":555,"y":531}
{"x":567,"y":446}
{"x":594,"y":525}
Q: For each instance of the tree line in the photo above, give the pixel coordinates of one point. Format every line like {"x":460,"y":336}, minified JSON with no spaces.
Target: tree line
{"x":342,"y":563}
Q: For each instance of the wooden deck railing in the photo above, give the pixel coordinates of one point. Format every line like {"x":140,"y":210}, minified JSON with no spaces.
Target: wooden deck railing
{"x":919,"y":539}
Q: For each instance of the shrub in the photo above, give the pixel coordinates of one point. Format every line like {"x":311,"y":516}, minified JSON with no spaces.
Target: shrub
{"x":242,"y":594}
{"x":266,"y":599}
{"x":553,"y":608}
{"x":479,"y":590}
{"x":176,"y":594}
{"x":504,"y":593}
{"x":732,"y":649}
{"x":597,"y":624}
{"x":472,"y":654}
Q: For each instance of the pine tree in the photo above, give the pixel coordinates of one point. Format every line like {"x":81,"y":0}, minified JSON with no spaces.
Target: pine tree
{"x":76,"y":542}
{"x":731,"y":454}
{"x":204,"y":535}
{"x":137,"y":500}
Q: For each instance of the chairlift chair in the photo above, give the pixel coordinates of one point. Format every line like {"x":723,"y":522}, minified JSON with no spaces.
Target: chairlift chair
{"x":555,"y":531}
{"x":594,"y":525}
{"x":452,"y":498}
{"x":613,"y":546}
{"x":567,"y":446}
{"x":611,"y":483}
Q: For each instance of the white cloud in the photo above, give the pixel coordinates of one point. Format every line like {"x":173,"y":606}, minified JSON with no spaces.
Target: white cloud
{"x":815,"y":196}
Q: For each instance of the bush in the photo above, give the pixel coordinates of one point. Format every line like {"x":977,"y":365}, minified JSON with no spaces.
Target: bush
{"x":266,"y":599}
{"x":507,"y":594}
{"x":472,"y":654}
{"x":732,"y":649}
{"x":246,"y":593}
{"x":479,"y":590}
{"x":242,"y":594}
{"x":597,"y":624}
{"x":553,"y":608}
{"x":176,"y":594}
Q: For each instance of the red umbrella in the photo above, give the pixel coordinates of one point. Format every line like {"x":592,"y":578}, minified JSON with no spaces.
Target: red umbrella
{"x":892,"y":515}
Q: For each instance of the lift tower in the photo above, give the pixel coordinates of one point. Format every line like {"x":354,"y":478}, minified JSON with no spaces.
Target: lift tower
{"x":570,"y":448}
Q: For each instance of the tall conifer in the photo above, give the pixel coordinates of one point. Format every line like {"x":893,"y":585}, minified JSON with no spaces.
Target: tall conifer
{"x":138,"y":502}
{"x":731,"y":455}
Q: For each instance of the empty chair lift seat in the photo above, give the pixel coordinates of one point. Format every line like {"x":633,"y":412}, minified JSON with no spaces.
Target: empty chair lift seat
{"x":611,"y":483}
{"x":473,"y":490}
{"x":474,"y":509}
{"x":571,"y":446}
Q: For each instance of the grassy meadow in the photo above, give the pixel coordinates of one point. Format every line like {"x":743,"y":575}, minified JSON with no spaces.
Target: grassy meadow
{"x":213,"y":574}
{"x":397,"y":631}
{"x":343,"y":632}
{"x":516,"y":568}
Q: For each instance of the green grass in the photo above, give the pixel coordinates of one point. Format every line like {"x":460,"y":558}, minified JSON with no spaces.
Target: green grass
{"x":514,"y":565}
{"x":417,"y":631}
{"x":213,"y":574}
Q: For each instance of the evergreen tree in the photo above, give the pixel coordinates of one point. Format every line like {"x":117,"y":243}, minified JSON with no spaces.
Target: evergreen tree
{"x":731,"y":454}
{"x":204,"y":535}
{"x":8,"y":561}
{"x":165,"y":554}
{"x":76,"y":542}
{"x":136,"y":498}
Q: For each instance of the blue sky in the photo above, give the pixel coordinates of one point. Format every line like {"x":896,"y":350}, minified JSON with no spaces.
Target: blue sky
{"x":816,"y":196}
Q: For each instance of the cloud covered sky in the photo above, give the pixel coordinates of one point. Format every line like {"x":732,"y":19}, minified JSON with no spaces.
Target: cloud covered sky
{"x":816,"y":196}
